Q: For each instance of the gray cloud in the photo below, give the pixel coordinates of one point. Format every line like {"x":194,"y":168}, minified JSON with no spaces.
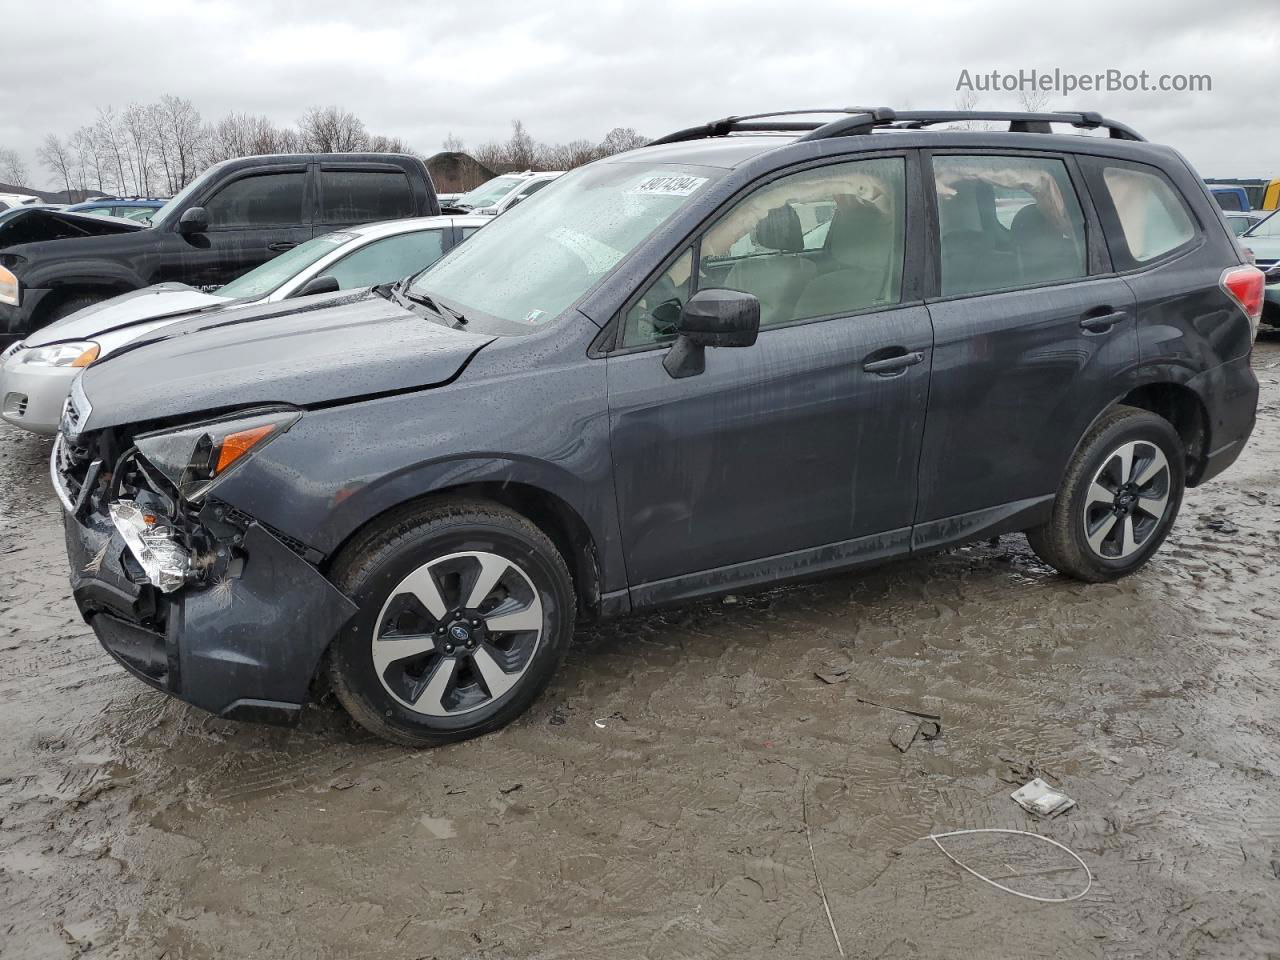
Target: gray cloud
{"x":420,"y":70}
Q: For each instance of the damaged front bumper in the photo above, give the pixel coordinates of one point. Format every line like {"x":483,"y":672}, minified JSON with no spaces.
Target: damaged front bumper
{"x":240,"y":638}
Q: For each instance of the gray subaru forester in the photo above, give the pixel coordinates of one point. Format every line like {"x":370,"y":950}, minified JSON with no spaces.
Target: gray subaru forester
{"x":758,"y":349}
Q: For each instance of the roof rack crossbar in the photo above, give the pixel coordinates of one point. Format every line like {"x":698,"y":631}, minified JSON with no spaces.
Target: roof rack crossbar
{"x":747,"y":124}
{"x":855,"y":121}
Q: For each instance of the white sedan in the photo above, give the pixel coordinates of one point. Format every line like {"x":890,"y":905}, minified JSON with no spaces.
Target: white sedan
{"x":36,"y":375}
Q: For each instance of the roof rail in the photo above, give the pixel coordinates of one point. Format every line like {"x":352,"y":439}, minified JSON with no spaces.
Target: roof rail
{"x":856,"y":121}
{"x":749,"y":123}
{"x":1019,"y":121}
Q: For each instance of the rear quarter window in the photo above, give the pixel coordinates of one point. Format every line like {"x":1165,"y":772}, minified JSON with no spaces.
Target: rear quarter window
{"x":1150,"y":217}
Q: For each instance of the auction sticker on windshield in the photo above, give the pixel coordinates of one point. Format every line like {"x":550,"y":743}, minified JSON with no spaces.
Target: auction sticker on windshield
{"x":667,"y":185}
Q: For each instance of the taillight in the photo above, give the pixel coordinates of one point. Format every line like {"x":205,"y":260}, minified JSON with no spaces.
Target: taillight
{"x":1245,"y":285}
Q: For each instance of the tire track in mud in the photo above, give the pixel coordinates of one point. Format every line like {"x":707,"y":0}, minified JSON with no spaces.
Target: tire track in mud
{"x":675,"y":829}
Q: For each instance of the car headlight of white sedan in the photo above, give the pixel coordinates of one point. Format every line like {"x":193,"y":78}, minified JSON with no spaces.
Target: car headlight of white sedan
{"x":78,"y":354}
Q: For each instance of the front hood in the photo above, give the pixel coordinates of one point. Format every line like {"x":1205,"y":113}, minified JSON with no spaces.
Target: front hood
{"x":160,"y":302}
{"x":41,"y":224}
{"x":305,"y":354}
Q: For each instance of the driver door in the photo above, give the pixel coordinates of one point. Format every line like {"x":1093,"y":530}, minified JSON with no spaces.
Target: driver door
{"x":800,"y":451}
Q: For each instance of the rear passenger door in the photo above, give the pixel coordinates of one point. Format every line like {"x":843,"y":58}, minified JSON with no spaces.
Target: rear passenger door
{"x":810,"y":437}
{"x":1033,"y":336}
{"x":351,"y":194}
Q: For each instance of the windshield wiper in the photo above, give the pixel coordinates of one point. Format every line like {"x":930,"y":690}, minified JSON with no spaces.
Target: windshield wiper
{"x":446,"y":313}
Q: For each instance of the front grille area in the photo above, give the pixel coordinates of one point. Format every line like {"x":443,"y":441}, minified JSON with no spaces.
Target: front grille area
{"x":71,"y":466}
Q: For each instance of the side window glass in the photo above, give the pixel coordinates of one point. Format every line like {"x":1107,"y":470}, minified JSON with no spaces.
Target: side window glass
{"x":270,"y":199}
{"x":824,"y":242}
{"x":1152,"y":217}
{"x":387,"y":260}
{"x":1007,"y":222}
{"x":468,"y":231}
{"x":653,"y":318}
{"x":363,"y":196}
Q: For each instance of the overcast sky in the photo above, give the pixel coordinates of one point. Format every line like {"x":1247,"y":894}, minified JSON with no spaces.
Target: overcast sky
{"x":419,"y":69}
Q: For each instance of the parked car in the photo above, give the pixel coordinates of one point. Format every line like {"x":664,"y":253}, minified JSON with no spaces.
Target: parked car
{"x":141,"y":209}
{"x":234,"y":216}
{"x":36,"y":375}
{"x":1262,"y":240}
{"x":9,"y":200}
{"x":601,"y":404}
{"x":502,"y":193}
{"x":1258,"y":193}
{"x":1241,"y":223}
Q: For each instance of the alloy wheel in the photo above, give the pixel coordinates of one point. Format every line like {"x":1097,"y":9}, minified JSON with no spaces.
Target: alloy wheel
{"x":457,"y":633}
{"x":1127,"y":500}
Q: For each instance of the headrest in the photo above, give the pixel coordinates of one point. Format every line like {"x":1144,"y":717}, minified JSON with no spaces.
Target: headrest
{"x":779,"y":229}
{"x":1030,"y":222}
{"x":860,"y":234}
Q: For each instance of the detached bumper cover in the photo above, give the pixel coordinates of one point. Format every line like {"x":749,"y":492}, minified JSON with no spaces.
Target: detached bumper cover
{"x":246,"y":649}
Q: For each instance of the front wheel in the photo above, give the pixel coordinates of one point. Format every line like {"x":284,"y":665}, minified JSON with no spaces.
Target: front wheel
{"x":1118,"y":500}
{"x":466,"y":610}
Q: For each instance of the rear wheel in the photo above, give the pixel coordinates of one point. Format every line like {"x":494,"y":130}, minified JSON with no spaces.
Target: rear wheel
{"x":1118,"y":500}
{"x":466,"y":610}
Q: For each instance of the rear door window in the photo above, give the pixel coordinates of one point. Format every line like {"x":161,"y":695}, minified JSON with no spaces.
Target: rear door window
{"x":1006,"y":222}
{"x":364,"y":196}
{"x":261,"y":200}
{"x":1152,"y":218}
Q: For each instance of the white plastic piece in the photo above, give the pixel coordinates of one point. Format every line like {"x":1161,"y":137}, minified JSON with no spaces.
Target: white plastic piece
{"x":937,"y":837}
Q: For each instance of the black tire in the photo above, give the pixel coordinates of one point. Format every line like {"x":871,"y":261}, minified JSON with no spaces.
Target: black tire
{"x":1063,"y":543}
{"x":374,"y":566}
{"x":64,"y":308}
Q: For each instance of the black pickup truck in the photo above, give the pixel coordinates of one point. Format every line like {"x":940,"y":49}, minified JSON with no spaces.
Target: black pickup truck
{"x":234,"y":216}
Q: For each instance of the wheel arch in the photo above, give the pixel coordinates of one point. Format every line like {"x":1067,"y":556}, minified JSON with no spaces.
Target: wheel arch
{"x":1183,"y":408}
{"x":549,"y":512}
{"x":106,"y":283}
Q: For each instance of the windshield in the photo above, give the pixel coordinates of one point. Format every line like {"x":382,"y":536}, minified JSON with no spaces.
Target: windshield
{"x":1269,"y":227}
{"x":268,"y":278}
{"x":523,"y":270}
{"x":487,"y":194}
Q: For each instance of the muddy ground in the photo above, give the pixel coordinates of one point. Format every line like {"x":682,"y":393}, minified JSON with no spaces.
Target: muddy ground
{"x":660,"y":799}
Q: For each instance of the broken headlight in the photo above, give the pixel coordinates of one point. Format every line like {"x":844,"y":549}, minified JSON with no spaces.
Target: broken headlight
{"x":196,"y":458}
{"x":155,"y":545}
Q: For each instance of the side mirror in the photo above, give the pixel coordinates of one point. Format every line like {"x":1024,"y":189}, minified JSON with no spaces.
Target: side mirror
{"x":712,"y":318}
{"x":192,"y":221}
{"x":321,"y":284}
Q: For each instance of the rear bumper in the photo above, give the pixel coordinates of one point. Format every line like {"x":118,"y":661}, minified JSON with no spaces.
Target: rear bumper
{"x":31,"y":397}
{"x":245,"y":649}
{"x":1230,"y":394}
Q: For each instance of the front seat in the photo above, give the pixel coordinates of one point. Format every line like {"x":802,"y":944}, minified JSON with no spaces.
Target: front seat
{"x":861,"y":245}
{"x":775,"y":279}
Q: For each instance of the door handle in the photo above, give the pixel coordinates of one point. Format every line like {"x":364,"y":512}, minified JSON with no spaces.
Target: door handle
{"x":1101,"y":323}
{"x":280,"y":245}
{"x":893,"y":364}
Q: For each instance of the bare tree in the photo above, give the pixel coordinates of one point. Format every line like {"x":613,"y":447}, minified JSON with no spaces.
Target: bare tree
{"x":381,"y":144}
{"x":1034,"y":101}
{"x":332,"y":130}
{"x":522,"y":153}
{"x":13,"y":169}
{"x":135,"y":125}
{"x":54,"y":155}
{"x":178,"y":135}
{"x":452,"y":144}
{"x":109,"y":143}
{"x":620,"y":139}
